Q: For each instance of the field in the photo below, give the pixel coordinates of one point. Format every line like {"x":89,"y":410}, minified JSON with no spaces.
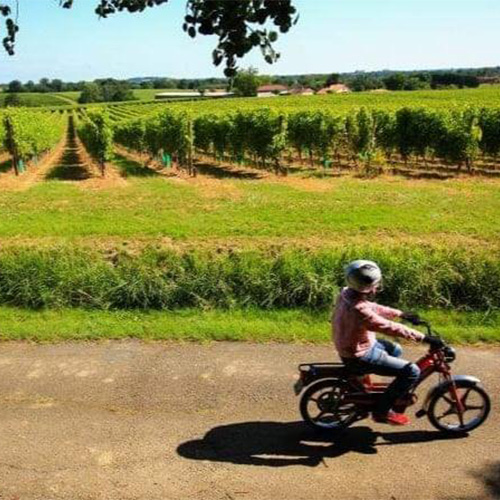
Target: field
{"x":487,"y":95}
{"x":484,"y":96}
{"x":227,"y":245}
{"x":140,"y":94}
{"x":36,"y":99}
{"x":71,"y":98}
{"x":210,"y":210}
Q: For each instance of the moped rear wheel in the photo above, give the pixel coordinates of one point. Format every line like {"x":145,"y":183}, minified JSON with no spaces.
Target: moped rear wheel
{"x":322,"y":406}
{"x":443,"y":412}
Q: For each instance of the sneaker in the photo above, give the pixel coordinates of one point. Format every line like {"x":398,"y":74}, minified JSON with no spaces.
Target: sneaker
{"x":391,"y":418}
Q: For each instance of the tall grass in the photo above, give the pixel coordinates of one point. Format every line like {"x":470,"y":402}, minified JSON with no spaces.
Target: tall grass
{"x":267,"y":279}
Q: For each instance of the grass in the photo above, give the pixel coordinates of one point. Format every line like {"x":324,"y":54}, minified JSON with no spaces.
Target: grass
{"x":195,"y":325}
{"x":36,"y":99}
{"x":329,"y":210}
{"x":486,"y":95}
{"x":140,"y":94}
{"x":271,"y":278}
{"x":70,"y":96}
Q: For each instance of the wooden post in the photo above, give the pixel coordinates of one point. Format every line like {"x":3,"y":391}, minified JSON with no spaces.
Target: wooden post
{"x":11,"y":145}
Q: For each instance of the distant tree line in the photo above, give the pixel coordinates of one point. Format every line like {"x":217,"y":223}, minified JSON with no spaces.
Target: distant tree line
{"x":105,"y":90}
{"x":43,"y":86}
{"x":183,"y":83}
{"x":404,"y":80}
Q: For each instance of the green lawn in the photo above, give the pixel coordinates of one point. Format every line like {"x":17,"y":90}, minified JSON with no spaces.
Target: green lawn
{"x":37,"y":99}
{"x":486,"y":95}
{"x":326,"y":211}
{"x":196,"y":325}
{"x":141,"y":94}
{"x":69,"y":96}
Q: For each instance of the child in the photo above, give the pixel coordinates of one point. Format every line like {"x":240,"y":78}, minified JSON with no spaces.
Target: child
{"x":354,"y":323}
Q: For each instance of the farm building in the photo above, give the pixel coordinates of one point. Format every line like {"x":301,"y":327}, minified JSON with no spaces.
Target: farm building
{"x":302,"y":91}
{"x":178,"y":94}
{"x":338,"y":88}
{"x":218,"y":93}
{"x":211,"y":94}
{"x":272,"y":90}
{"x":489,"y":79}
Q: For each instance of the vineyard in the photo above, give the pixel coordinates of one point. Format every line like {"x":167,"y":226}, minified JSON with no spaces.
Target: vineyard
{"x":241,"y":203}
{"x":26,"y":135}
{"x":437,"y":141}
{"x":368,"y":134}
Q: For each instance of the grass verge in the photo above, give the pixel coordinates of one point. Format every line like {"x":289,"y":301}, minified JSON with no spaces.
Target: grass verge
{"x":254,"y":325}
{"x":166,"y":279}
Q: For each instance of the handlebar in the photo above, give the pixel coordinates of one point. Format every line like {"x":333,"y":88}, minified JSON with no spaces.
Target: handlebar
{"x":428,"y":327}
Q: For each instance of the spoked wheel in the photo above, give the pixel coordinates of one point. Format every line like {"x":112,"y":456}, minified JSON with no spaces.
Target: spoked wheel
{"x":444,"y":412}
{"x":323,"y":407}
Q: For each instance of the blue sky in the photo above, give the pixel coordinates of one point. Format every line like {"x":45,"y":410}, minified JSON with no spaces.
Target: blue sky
{"x":331,"y":36}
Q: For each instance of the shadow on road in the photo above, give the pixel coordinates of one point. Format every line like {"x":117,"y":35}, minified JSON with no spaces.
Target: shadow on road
{"x":275,"y":444}
{"x":490,"y":479}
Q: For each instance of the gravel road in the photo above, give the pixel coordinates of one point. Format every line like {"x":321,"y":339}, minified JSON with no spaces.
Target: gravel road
{"x":132,"y":420}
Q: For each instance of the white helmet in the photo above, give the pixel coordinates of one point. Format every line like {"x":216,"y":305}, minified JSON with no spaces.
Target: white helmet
{"x":363,"y":275}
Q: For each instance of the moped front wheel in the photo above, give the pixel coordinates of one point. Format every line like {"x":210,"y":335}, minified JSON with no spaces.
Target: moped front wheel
{"x":444,"y":413}
{"x":323,"y":407}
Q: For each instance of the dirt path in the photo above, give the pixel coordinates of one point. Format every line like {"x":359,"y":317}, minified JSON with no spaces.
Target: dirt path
{"x":129,"y":420}
{"x":74,"y":164}
{"x":70,"y":166}
{"x":34,"y":173}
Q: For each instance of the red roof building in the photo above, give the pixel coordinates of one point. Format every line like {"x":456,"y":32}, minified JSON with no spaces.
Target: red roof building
{"x":275,"y":89}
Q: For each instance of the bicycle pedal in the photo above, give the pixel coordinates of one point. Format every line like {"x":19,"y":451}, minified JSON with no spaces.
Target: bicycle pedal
{"x":421,"y":413}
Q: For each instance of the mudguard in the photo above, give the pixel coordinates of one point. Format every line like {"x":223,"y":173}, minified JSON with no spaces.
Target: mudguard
{"x":444,"y":386}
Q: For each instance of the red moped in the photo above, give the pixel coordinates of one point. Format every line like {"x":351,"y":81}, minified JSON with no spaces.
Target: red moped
{"x":335,"y":396}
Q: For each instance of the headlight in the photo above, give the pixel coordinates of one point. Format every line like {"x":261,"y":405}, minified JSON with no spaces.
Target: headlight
{"x":449,"y":354}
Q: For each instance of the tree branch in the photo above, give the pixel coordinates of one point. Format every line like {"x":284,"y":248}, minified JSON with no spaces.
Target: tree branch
{"x":236,"y":24}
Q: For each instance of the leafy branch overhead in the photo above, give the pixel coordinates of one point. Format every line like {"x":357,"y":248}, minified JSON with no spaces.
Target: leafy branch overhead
{"x":239,"y":25}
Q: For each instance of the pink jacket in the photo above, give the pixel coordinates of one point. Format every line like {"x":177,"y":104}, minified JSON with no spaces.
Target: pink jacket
{"x":355,"y":321}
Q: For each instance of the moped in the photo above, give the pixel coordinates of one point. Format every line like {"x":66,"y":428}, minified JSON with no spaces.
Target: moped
{"x":334,"y":396}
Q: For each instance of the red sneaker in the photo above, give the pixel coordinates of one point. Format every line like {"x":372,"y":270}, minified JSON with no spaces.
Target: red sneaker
{"x":391,"y":418}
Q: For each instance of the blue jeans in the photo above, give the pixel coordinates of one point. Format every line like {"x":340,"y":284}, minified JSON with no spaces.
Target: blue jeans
{"x":384,"y":359}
